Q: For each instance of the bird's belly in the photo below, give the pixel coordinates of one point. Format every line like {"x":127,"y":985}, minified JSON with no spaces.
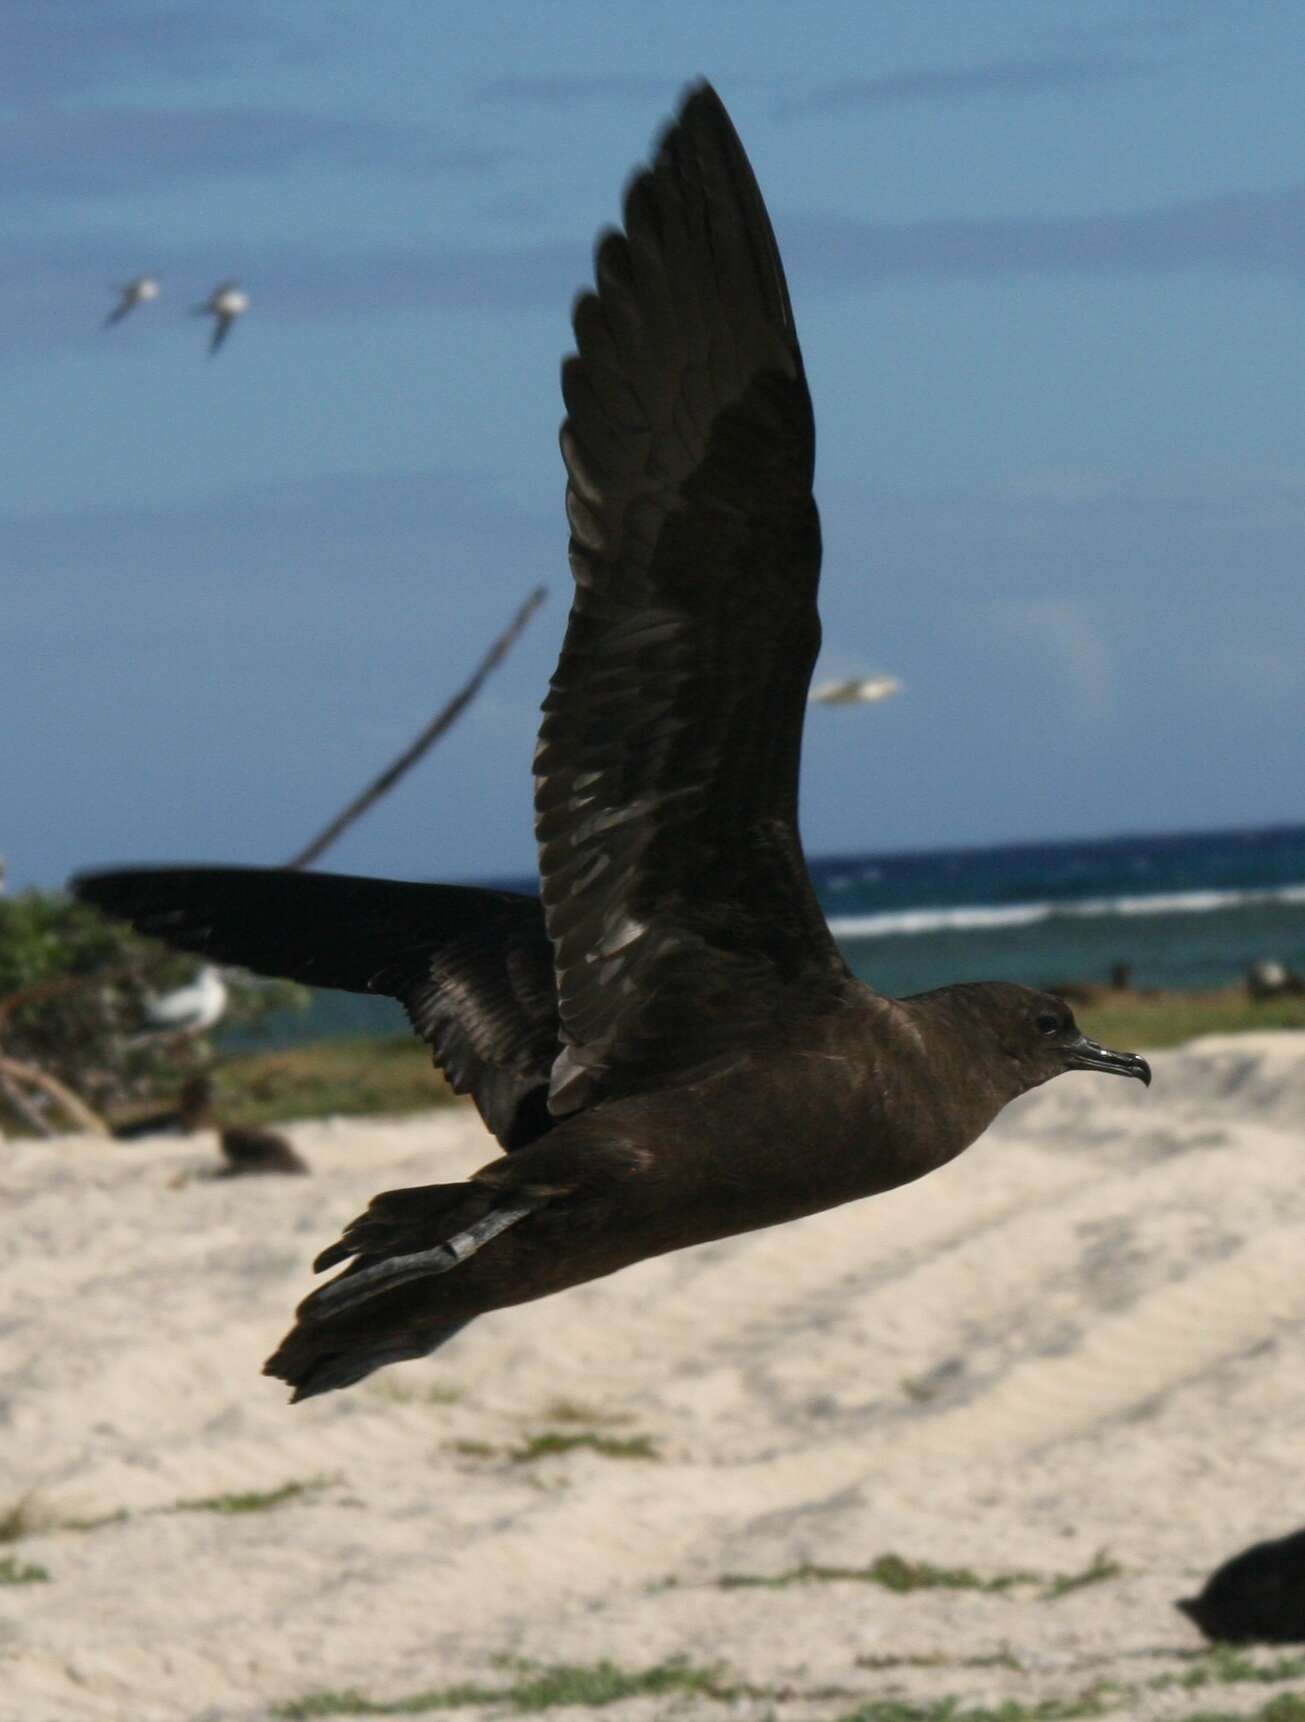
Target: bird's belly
{"x":597,"y":1234}
{"x":707,"y":1160}
{"x":713,"y":1175}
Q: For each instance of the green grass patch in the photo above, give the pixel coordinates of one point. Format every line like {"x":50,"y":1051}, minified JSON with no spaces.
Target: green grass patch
{"x":245,"y":1501}
{"x":1169,"y":1018}
{"x":1227,"y":1663}
{"x":1288,"y":1707}
{"x":994,"y":1659}
{"x":534,"y":1689}
{"x":118,"y":1517}
{"x":553,"y":1441}
{"x":23,"y":1519}
{"x":573,"y":1411}
{"x":895,"y":1573}
{"x":400,"y":1393}
{"x":957,"y":1710}
{"x":891,"y":1571}
{"x":350,"y":1078}
{"x":1101,"y":1569}
{"x":233,"y":1504}
{"x":14,"y":1571}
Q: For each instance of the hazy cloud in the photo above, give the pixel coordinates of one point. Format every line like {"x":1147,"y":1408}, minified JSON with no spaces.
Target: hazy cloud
{"x":1257,"y":232}
{"x":1254,"y":493}
{"x":54,"y":48}
{"x":1028,"y":77}
{"x":1138,"y":26}
{"x":554,"y":92}
{"x":1065,"y":630}
{"x":52,"y":152}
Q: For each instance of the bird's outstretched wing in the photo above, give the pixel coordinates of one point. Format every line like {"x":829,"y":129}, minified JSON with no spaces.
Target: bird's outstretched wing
{"x":675,"y":890}
{"x":472,"y":968}
{"x":221,"y":329}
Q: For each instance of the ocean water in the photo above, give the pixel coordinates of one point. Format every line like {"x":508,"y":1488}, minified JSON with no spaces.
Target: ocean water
{"x":1189,"y":910}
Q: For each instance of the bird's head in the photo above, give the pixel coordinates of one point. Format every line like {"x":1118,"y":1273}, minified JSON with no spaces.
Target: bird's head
{"x":1032,"y":1034}
{"x":1038,"y":1033}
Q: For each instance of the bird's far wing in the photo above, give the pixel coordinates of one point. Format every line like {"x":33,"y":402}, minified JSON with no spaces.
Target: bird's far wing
{"x":472,"y":968}
{"x":675,"y":890}
{"x":221,"y":329}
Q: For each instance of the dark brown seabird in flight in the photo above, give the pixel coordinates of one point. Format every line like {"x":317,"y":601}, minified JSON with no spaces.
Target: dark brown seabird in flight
{"x":669,"y":1046}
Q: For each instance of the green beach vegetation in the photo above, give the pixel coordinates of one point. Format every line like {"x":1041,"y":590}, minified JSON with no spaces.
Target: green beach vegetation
{"x":73,"y":992}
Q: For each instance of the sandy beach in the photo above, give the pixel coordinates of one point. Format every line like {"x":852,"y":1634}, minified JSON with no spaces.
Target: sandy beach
{"x":1061,"y":1380}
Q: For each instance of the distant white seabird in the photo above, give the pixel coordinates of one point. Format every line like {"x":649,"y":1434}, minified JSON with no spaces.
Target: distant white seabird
{"x":142,"y":291}
{"x":186,"y":1010}
{"x":224,"y":304}
{"x":856,"y":691}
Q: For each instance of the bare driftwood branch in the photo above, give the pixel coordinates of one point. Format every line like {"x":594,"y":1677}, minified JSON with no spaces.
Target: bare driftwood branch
{"x":14,"y":1097}
{"x":16,"y":1075}
{"x":442,"y":721}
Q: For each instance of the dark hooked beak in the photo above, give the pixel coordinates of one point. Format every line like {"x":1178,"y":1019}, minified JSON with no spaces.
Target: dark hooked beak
{"x":1085,"y":1054}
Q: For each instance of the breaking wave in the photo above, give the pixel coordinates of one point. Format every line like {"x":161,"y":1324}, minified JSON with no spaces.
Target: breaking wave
{"x":903,"y":922}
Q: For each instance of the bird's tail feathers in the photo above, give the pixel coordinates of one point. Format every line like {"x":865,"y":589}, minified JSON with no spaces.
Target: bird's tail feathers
{"x":368,"y":1316}
{"x":315,"y":1360}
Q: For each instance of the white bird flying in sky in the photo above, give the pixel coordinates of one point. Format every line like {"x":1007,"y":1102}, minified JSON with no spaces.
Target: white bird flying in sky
{"x":856,"y":691}
{"x":142,"y":291}
{"x":224,"y":304}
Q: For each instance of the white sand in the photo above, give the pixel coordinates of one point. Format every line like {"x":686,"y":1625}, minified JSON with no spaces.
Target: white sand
{"x":1085,"y":1335}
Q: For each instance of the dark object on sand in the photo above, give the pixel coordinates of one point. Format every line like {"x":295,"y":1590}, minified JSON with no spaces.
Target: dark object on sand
{"x":245,"y":1148}
{"x":670,"y":1045}
{"x":1256,"y":1597}
{"x":191,"y":1110}
{"x":251,"y":1150}
{"x":1267,"y":978}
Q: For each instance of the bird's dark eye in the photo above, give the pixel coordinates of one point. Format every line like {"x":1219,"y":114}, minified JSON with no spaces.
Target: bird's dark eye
{"x":1047,"y":1023}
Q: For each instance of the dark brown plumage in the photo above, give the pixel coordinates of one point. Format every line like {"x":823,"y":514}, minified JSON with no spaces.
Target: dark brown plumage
{"x":670,"y":1045}
{"x":1256,"y":1597}
{"x":247,"y":1149}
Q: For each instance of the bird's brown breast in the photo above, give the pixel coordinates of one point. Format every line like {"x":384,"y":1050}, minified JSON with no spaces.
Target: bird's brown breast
{"x":824,"y":1113}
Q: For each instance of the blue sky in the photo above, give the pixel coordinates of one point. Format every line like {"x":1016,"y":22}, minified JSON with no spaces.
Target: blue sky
{"x":1047,"y":266}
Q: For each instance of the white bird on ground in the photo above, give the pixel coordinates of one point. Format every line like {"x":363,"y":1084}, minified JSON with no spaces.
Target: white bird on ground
{"x":224,"y":304}
{"x":142,"y":291}
{"x":187,"y":1010}
{"x":854,"y":691}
